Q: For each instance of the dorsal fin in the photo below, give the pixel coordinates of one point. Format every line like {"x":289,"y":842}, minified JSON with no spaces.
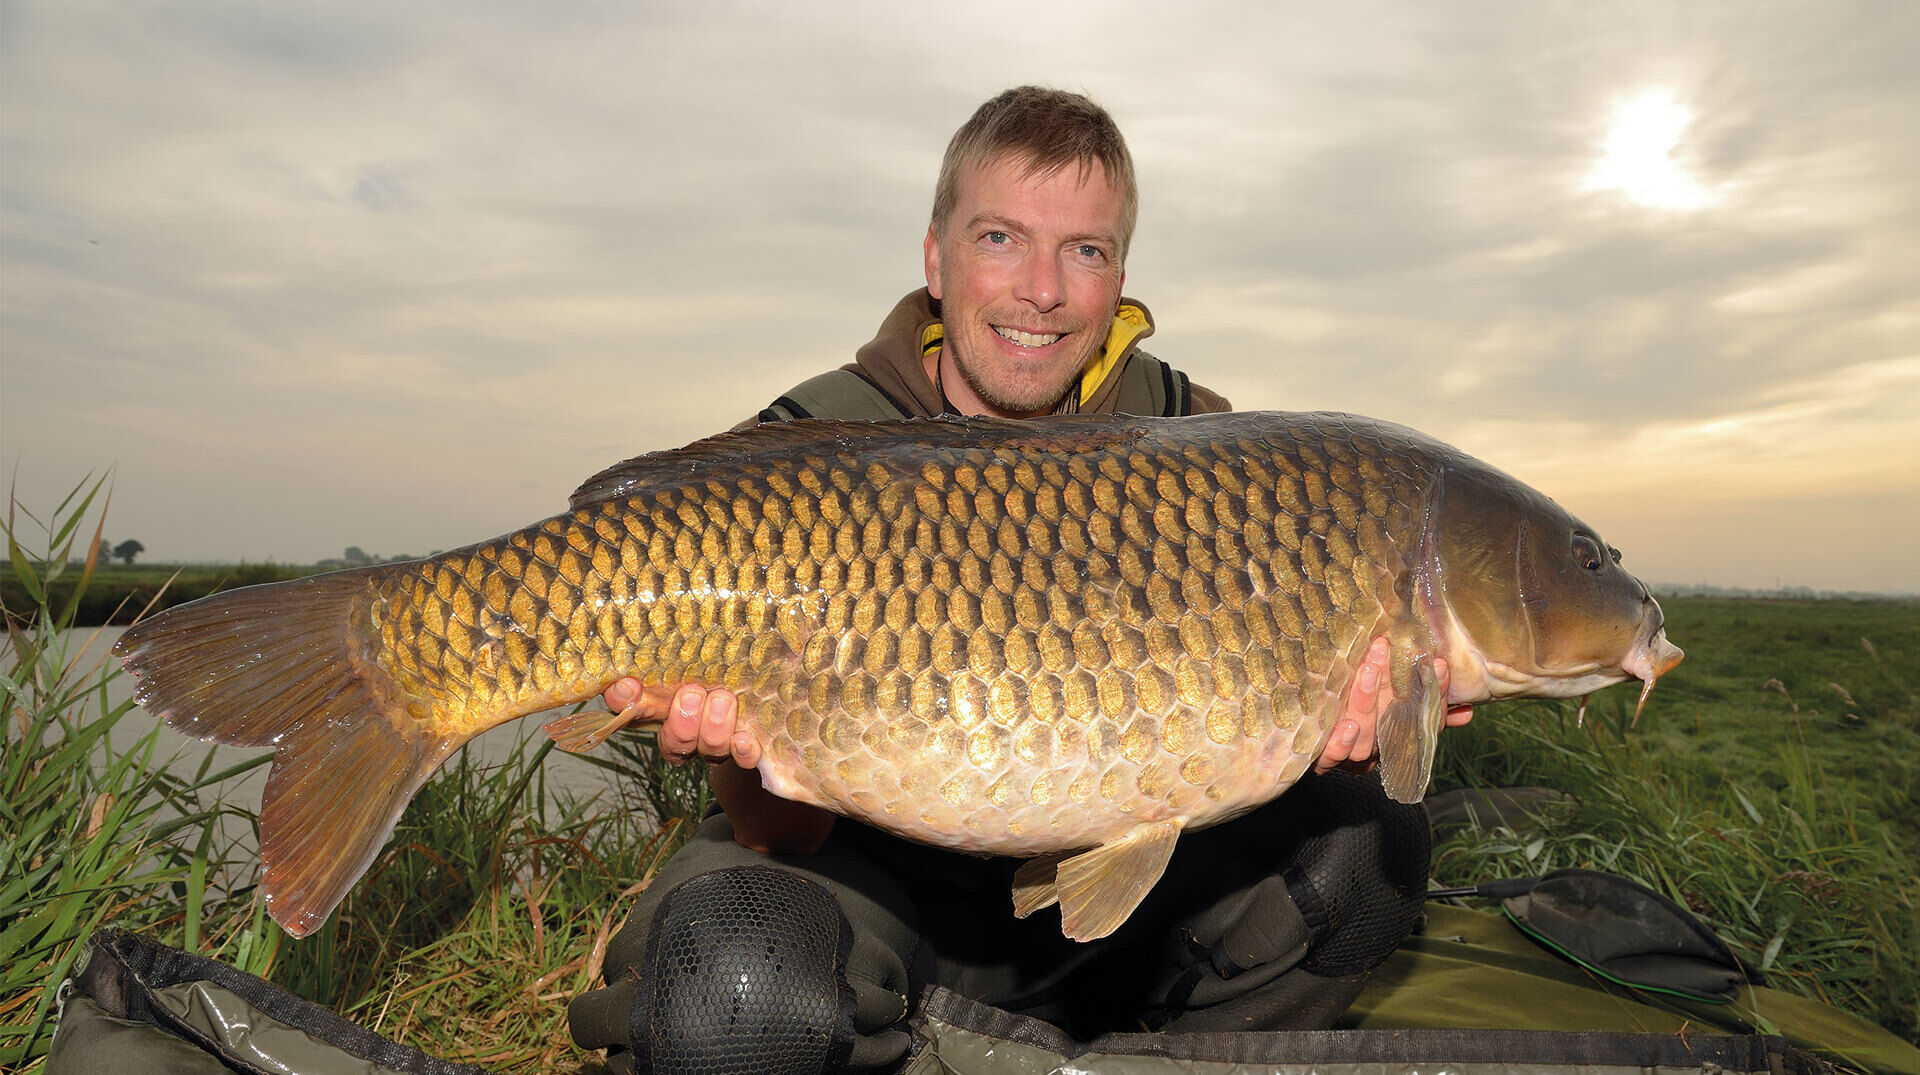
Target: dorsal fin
{"x":729,"y":451}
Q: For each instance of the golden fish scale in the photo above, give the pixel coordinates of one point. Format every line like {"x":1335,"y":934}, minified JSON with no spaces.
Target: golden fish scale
{"x":1001,"y":648}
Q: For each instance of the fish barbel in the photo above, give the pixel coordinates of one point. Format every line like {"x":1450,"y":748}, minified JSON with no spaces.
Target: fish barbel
{"x":1067,"y":640}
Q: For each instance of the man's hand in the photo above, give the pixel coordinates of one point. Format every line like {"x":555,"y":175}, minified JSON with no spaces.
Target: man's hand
{"x":692,"y":719}
{"x":695,"y":720}
{"x":1353,"y":740}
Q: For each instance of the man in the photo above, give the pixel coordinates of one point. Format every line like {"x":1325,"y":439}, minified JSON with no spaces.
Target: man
{"x":784,"y":939}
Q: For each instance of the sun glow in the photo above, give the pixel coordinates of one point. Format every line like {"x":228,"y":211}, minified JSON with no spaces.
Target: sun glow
{"x":1637,"y":156}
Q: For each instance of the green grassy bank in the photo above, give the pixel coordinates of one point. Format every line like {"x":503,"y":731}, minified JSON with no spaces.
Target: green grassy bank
{"x":1770,"y":784}
{"x":116,"y":593}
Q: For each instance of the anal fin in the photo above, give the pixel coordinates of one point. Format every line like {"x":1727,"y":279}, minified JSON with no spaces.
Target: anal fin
{"x":577,"y":733}
{"x":1098,"y":889}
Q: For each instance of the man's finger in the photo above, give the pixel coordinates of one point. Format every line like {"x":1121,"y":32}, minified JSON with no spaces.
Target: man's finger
{"x":746,"y":750}
{"x":1366,"y":689}
{"x":1362,"y":749}
{"x":1339,"y":746}
{"x":1457,"y":716}
{"x":716,"y":726}
{"x":622,"y":694}
{"x":680,"y":735}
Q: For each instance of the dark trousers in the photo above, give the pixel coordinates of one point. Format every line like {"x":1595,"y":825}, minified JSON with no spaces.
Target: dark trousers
{"x":1268,"y":922}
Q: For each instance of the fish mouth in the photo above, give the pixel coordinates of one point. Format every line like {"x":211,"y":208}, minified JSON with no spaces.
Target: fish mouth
{"x":1651,"y":657}
{"x":1022,"y":338}
{"x":1477,"y":677}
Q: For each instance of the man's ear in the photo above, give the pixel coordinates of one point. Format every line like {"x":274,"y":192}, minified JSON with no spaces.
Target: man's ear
{"x":931,"y":252}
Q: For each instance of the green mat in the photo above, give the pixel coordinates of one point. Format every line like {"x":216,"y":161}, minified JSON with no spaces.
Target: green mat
{"x":1470,"y":968}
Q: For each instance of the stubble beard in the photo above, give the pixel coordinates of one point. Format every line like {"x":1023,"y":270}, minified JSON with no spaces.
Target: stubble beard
{"x":1026,"y":394}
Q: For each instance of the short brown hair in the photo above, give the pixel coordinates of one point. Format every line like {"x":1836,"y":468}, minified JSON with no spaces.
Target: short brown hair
{"x":1049,"y":129}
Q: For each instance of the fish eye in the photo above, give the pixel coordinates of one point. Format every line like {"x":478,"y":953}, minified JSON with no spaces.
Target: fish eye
{"x":1586,"y":553}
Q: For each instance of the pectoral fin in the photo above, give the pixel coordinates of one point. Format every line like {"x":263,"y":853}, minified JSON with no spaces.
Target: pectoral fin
{"x":1409,"y":730}
{"x":1098,"y":889}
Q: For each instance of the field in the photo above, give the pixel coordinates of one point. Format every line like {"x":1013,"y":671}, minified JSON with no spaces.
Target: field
{"x":1770,"y":784}
{"x":116,"y":593}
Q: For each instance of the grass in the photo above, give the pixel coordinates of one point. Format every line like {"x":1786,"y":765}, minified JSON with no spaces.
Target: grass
{"x":489,"y":908}
{"x":1770,"y":785}
{"x":90,"y":831}
{"x":1784,"y":823}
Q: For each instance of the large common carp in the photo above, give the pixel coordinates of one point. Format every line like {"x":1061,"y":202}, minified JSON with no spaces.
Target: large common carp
{"x":1068,"y":640}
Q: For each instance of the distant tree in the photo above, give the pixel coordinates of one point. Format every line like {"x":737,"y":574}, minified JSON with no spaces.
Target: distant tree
{"x":356,"y":555}
{"x":127,"y":550}
{"x":106,"y":552}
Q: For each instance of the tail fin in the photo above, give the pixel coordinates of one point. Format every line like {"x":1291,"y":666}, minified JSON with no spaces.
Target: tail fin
{"x":286,"y":665}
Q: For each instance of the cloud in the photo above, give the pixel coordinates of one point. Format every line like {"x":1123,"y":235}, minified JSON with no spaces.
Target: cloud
{"x":400,"y":276}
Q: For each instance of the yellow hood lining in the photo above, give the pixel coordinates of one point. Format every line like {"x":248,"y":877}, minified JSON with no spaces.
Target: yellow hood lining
{"x":1129,"y":324}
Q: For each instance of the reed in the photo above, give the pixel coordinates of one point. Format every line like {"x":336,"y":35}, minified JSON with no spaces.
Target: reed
{"x":94,"y":827}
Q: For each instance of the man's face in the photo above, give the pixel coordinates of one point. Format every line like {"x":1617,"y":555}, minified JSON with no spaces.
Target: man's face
{"x":1028,"y":275}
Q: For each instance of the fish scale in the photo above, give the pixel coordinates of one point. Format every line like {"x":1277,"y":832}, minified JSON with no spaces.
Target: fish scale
{"x":1068,"y":640}
{"x":1112,"y":625}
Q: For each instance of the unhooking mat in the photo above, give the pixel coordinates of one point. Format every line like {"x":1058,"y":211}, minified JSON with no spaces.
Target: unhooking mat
{"x":138,"y":1006}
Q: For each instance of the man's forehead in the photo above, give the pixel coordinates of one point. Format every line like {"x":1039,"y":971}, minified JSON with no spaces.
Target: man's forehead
{"x":1085,"y":180}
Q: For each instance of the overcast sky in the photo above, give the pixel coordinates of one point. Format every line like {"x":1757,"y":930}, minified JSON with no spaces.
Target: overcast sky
{"x":401,"y":275}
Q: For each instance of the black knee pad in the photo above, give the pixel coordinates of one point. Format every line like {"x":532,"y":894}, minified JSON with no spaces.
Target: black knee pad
{"x":744,"y":975}
{"x":1360,"y":876}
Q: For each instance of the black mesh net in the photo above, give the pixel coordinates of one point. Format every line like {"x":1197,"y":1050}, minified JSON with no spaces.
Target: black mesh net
{"x":745,"y":978}
{"x":1362,"y":875}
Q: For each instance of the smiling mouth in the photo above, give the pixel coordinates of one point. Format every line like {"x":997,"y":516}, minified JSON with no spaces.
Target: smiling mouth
{"x":1026,"y":339}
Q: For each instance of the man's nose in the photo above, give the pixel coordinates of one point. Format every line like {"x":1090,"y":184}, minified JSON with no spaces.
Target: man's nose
{"x":1041,"y":284}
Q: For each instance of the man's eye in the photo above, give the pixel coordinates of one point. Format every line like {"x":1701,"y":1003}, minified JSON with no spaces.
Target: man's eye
{"x":1091,"y":252}
{"x":998,"y":238}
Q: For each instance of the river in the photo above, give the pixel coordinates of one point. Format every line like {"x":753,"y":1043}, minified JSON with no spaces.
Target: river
{"x":89,"y":650}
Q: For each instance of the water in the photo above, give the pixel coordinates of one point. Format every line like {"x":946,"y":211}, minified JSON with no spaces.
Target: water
{"x":90,"y":649}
